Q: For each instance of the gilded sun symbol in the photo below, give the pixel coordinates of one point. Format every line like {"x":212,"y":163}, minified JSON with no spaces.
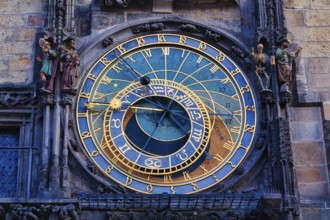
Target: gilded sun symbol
{"x":115,"y":85}
{"x":116,"y":104}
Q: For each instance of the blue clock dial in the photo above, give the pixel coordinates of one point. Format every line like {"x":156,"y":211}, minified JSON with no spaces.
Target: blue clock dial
{"x":166,"y":113}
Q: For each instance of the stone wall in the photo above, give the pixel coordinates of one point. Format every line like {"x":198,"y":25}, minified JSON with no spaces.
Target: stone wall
{"x":308,"y":26}
{"x":19,"y":23}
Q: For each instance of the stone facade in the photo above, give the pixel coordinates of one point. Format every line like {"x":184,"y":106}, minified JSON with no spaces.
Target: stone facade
{"x":309,"y":27}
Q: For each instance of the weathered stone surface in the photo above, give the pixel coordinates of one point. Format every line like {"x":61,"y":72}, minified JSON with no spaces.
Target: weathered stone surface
{"x":308,"y":153}
{"x":313,"y":189}
{"x":316,"y":49}
{"x":35,"y":20}
{"x":317,"y":34}
{"x":318,"y":65}
{"x":5,"y":48}
{"x":317,"y":18}
{"x":7,"y":34}
{"x":21,"y":48}
{"x":305,"y":115}
{"x":303,"y":131}
{"x":105,"y":21}
{"x":27,"y":34}
{"x":315,"y":213}
{"x":326,"y":110}
{"x":296,"y":4}
{"x":312,"y":174}
{"x":320,"y":80}
{"x":16,"y":20}
{"x":294,"y":18}
{"x":15,"y":77}
{"x":320,"y":4}
{"x":20,"y":62}
{"x":22,"y":7}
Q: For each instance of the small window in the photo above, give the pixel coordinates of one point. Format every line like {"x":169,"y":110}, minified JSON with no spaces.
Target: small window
{"x":9,"y":161}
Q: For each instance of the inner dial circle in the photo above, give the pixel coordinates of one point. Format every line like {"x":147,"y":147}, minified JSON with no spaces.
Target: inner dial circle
{"x":175,"y":124}
{"x":178,"y":137}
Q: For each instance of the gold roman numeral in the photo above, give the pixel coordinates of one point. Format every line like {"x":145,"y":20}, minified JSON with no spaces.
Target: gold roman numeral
{"x":186,"y":176}
{"x":229,"y":145}
{"x":218,"y":158}
{"x":166,"y":51}
{"x":214,"y":68}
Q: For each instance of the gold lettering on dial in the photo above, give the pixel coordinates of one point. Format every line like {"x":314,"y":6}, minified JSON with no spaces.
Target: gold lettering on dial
{"x":166,"y":51}
{"x":147,"y":52}
{"x":129,"y":181}
{"x":203,"y":168}
{"x":140,"y":41}
{"x":218,"y":157}
{"x":161,"y":38}
{"x":168,"y":178}
{"x":202,"y":46}
{"x":117,"y":68}
{"x":121,"y":49}
{"x":186,"y":176}
{"x":182,"y":40}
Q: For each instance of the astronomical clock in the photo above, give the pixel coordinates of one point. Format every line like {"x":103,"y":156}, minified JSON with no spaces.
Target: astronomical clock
{"x":166,"y":112}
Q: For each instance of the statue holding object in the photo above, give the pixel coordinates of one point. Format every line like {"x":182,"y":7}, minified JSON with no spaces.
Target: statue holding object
{"x":48,"y":68}
{"x":284,"y":60}
{"x":69,"y":64}
{"x":261,"y":61}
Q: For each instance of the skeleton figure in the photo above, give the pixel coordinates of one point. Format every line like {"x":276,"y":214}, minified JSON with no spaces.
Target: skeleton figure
{"x":260,"y":61}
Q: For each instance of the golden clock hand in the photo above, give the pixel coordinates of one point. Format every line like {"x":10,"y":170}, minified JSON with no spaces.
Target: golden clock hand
{"x":146,"y":108}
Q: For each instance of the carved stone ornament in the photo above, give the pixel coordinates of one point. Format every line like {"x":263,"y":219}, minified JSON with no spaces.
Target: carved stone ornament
{"x":148,"y":27}
{"x":107,"y":41}
{"x":12,"y":99}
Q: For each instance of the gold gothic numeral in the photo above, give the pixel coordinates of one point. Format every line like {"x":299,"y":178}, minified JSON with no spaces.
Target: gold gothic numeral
{"x":245,"y":89}
{"x":250,"y":108}
{"x":238,"y":112}
{"x":85,"y":135}
{"x":234,"y":72}
{"x":221,"y":57}
{"x":202,"y":46}
{"x":84,"y":95}
{"x":249,"y":128}
{"x":129,"y":181}
{"x":231,"y":164}
{"x":161,"y":38}
{"x":121,"y":49}
{"x":92,"y":77}
{"x":140,"y":41}
{"x":109,"y":169}
{"x":195,"y":186}
{"x":105,"y":61}
{"x":82,"y":115}
{"x":95,"y":153}
{"x":182,"y":40}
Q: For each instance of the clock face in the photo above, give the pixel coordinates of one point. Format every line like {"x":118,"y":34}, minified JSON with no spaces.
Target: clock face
{"x":166,"y":113}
